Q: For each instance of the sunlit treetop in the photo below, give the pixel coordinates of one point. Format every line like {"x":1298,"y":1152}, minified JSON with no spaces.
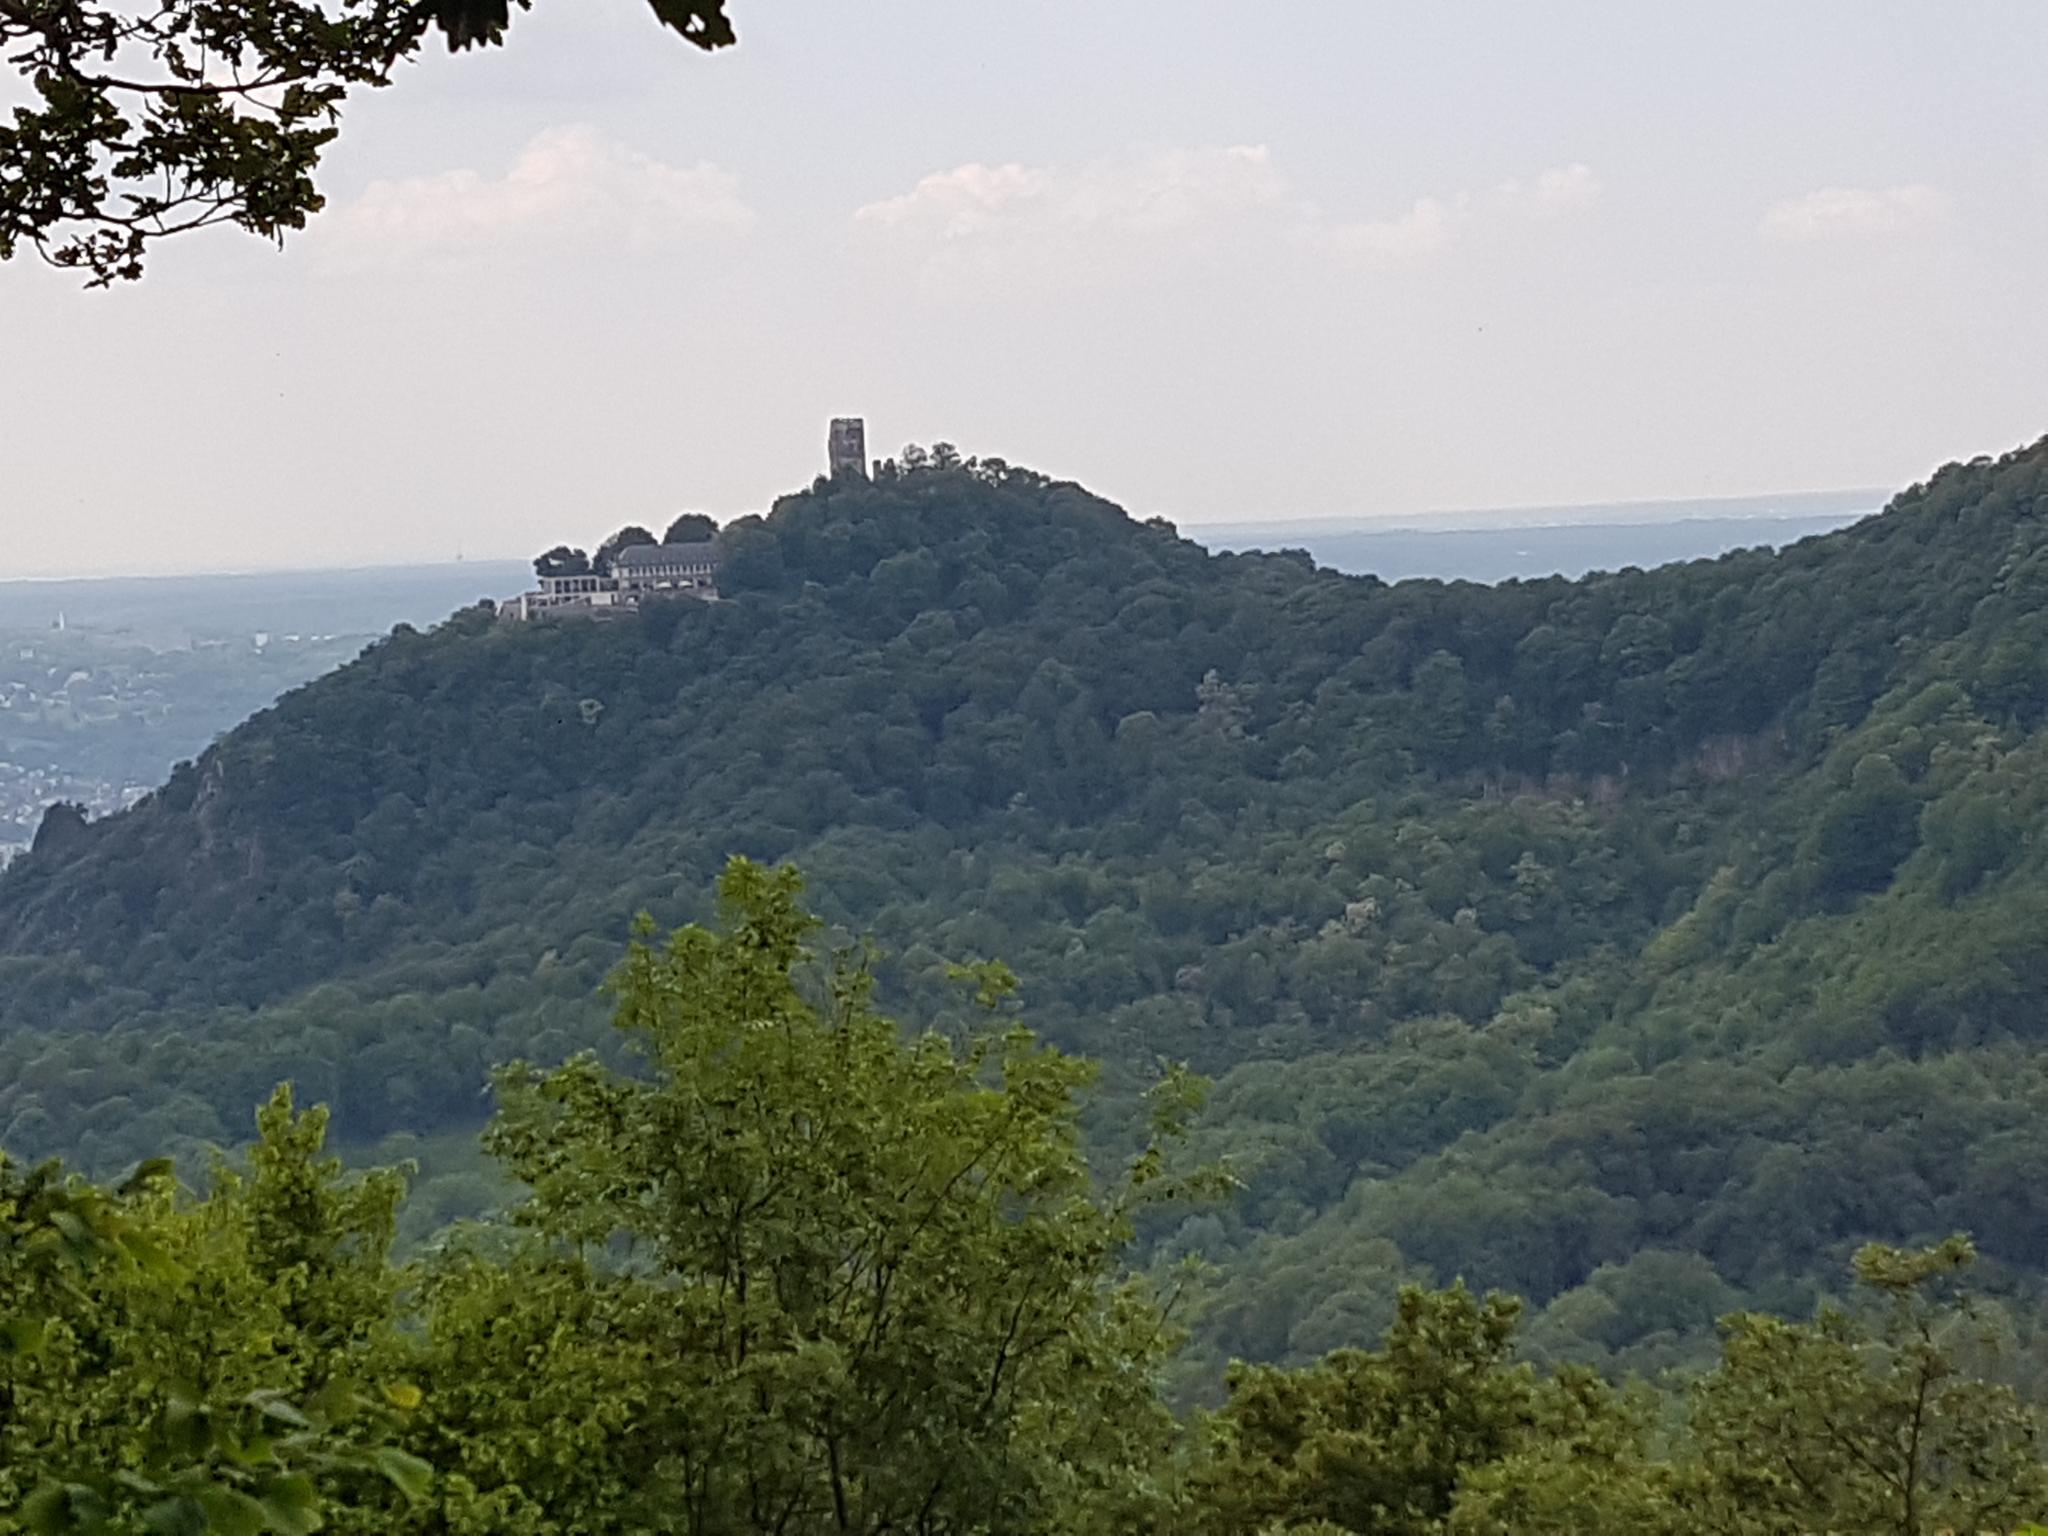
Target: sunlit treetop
{"x":155,"y":117}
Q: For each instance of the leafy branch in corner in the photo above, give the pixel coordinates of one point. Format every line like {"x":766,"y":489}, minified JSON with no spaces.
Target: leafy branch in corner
{"x":154,"y":118}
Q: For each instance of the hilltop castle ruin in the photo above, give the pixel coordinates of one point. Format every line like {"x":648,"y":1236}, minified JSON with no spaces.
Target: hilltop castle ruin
{"x":846,"y":447}
{"x":646,"y":573}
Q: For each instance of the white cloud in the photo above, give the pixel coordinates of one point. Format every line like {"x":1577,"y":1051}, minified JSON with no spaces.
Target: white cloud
{"x":567,"y":181}
{"x":1834,"y":213}
{"x":1426,"y":228}
{"x":1560,"y":190}
{"x":960,"y":202}
{"x":1435,"y":223}
{"x":1169,"y":191}
{"x":1093,"y":212}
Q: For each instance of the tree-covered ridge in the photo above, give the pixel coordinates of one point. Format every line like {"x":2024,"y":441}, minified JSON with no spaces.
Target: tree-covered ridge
{"x":1639,"y":943}
{"x":983,"y":635}
{"x":803,"y":1270}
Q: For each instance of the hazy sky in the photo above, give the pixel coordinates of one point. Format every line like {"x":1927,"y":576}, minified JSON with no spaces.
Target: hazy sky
{"x":1218,"y":261}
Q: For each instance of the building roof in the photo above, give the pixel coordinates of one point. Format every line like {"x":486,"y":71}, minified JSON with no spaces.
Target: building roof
{"x":705,"y":553}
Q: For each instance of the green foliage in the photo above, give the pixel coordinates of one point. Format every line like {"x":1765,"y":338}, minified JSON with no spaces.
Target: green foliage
{"x":562,"y":560}
{"x":1865,"y":832}
{"x":145,"y":125}
{"x":1881,"y":1420}
{"x":691,"y":528}
{"x":630,"y":537}
{"x":1878,"y":1420}
{"x":1368,"y":1440}
{"x":797,"y":1272}
{"x":1876,"y":1426}
{"x":801,"y":1270}
{"x":186,"y":1367}
{"x":880,"y":1265}
{"x":1639,"y":945}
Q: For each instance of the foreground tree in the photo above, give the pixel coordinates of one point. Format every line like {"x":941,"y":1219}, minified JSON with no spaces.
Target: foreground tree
{"x":149,"y":121}
{"x":800,"y":1274}
{"x":1879,"y":1423}
{"x":1877,"y":1420}
{"x":177,"y":1366}
{"x":1369,"y":1440}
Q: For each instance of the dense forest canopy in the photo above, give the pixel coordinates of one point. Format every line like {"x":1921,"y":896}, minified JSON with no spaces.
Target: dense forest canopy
{"x":801,"y":1270}
{"x":1639,"y":944}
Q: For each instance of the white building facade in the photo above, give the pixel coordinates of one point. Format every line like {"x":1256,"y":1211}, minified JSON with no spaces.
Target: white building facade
{"x":646,"y":572}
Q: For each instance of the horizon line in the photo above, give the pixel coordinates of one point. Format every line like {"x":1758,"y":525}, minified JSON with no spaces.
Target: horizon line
{"x":1364,"y":523}
{"x":1451,"y":520}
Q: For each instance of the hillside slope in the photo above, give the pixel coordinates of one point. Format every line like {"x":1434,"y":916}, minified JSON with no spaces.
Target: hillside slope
{"x":1688,"y":918}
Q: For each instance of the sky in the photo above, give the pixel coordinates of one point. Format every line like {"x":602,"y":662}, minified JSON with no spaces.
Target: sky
{"x":1218,"y":262}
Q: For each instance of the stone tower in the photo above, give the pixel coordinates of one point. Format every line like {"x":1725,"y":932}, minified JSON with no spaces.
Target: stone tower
{"x":846,"y":447}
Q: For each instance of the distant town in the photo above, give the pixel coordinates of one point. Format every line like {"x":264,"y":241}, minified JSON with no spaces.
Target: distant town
{"x":44,"y":693}
{"x":95,"y":719}
{"x":26,"y":789}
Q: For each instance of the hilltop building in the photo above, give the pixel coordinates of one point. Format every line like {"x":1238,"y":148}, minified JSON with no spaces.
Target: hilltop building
{"x":643,"y":573}
{"x":846,"y":447}
{"x":640,"y":574}
{"x":651,"y":568}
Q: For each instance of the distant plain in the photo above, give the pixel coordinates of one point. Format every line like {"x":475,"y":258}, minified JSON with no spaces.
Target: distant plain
{"x":1487,"y":546}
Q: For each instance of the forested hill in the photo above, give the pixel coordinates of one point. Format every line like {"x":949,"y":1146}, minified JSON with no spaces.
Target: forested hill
{"x":1652,"y":935}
